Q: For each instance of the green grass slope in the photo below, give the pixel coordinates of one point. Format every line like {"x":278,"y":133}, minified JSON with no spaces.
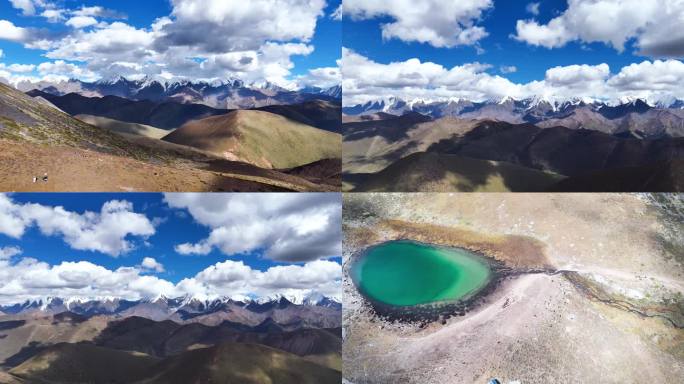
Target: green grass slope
{"x":260,"y":138}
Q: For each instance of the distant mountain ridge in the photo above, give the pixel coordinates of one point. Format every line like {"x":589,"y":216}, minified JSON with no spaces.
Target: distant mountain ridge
{"x":229,"y":94}
{"x":113,"y":305}
{"x":240,"y":309}
{"x":396,"y":105}
{"x":170,"y":114}
{"x":635,"y":117}
{"x":282,"y":342}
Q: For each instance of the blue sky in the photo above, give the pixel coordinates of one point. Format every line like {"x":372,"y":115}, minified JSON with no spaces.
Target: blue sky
{"x":315,"y":29}
{"x":498,"y":49}
{"x":522,"y":41}
{"x":175,"y":226}
{"x":154,"y":225}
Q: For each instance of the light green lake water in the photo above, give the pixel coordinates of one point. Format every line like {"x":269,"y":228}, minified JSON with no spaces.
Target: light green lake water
{"x":404,"y":273}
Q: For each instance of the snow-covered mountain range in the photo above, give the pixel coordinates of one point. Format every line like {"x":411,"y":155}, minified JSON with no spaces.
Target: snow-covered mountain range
{"x":227,"y":94}
{"x":634,"y":117}
{"x":537,"y":106}
{"x":162,"y":304}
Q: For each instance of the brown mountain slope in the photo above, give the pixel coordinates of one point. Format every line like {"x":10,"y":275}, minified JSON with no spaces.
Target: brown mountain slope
{"x":78,"y":170}
{"x":242,"y":363}
{"x":664,"y":176}
{"x":24,"y":338}
{"x":321,"y":114}
{"x":23,"y":118}
{"x":560,"y":150}
{"x":86,"y":363}
{"x":326,"y":171}
{"x":36,"y":138}
{"x":370,"y":146}
{"x":117,"y":126}
{"x":225,"y":363}
{"x":433,"y":172}
{"x":260,"y":138}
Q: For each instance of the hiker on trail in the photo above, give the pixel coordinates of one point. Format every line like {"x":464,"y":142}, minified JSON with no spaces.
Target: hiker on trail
{"x":45,"y":177}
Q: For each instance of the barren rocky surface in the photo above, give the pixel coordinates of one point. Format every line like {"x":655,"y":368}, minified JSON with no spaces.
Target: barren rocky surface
{"x":594,"y":292}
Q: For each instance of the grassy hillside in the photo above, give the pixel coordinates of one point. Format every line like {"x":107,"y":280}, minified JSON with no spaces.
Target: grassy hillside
{"x":433,"y":172}
{"x":260,"y":138}
{"x":117,"y":126}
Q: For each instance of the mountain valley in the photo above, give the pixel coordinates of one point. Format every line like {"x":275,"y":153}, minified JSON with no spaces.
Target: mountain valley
{"x":156,"y":340}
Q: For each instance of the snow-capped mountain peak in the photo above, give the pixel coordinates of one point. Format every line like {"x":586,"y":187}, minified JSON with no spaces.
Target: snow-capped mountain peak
{"x":216,"y":93}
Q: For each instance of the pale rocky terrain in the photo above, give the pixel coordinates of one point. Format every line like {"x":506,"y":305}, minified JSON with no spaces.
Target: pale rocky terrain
{"x":595,"y":293}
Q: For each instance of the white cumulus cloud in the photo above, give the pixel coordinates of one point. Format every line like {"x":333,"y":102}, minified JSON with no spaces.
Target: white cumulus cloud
{"x":655,"y":24}
{"x":29,"y":279}
{"x":440,"y":23}
{"x":533,"y":8}
{"x":366,"y":80}
{"x":199,"y":39}
{"x":152,"y":264}
{"x":337,"y":14}
{"x":106,"y":231}
{"x":286,"y":227}
{"x":81,"y":21}
{"x":9,"y":31}
{"x":235,"y":278}
{"x":26,"y":6}
{"x":8,"y":252}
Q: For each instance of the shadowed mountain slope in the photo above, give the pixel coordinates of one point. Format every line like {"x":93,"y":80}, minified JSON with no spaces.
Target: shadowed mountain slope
{"x":450,"y":154}
{"x":228,"y":362}
{"x":664,"y":176}
{"x":242,"y":363}
{"x":558,"y":149}
{"x":326,"y":115}
{"x":433,"y":172}
{"x":86,"y":363}
{"x":166,"y":115}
